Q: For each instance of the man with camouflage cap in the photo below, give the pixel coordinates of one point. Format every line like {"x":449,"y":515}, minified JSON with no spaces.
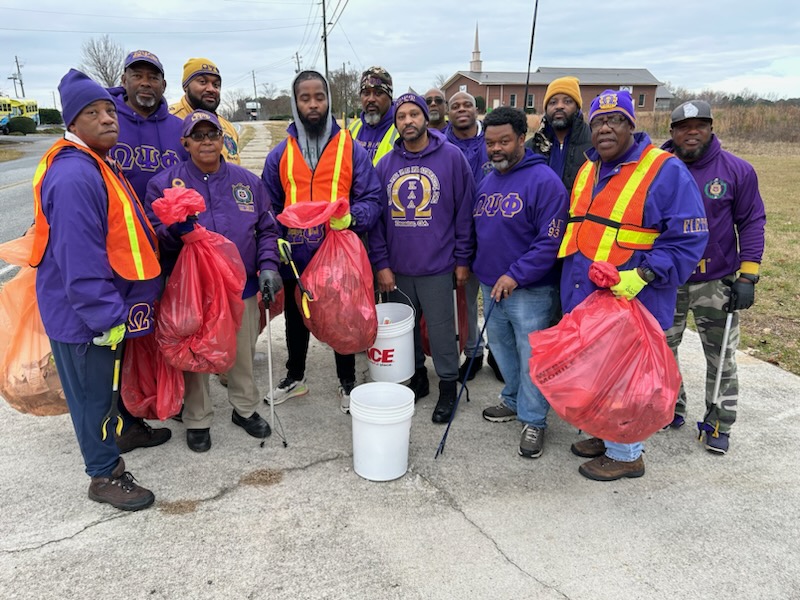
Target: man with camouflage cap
{"x":375,"y":130}
{"x":736,"y":219}
{"x":202,"y":83}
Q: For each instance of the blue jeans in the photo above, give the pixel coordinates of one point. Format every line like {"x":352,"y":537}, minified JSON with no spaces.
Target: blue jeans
{"x":624,"y":452}
{"x":512,"y":319}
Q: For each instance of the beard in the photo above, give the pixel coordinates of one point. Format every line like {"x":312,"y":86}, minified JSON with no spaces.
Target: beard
{"x":313,"y":128}
{"x":372,"y":118}
{"x":147,"y":101}
{"x":562,"y":123}
{"x":198,"y":103}
{"x":501,"y":165}
{"x":411,"y":133}
{"x":435,"y":115}
{"x":691,"y":155}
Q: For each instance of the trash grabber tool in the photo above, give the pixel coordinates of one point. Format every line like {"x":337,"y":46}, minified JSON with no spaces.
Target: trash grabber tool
{"x":440,"y":449}
{"x":271,"y":394}
{"x":285,"y":251}
{"x":113,"y":410}
{"x":723,"y":349}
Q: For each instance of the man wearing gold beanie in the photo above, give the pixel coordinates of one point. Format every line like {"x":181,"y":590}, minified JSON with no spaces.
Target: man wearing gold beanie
{"x":202,"y":83}
{"x":563,"y":136}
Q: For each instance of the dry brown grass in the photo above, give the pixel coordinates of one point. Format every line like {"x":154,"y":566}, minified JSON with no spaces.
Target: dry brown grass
{"x":179,"y":507}
{"x":248,"y":133}
{"x":7,"y":154}
{"x":262,"y":477}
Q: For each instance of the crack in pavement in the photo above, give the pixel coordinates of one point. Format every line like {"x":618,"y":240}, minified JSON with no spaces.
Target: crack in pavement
{"x":453,"y":503}
{"x":121,"y":514}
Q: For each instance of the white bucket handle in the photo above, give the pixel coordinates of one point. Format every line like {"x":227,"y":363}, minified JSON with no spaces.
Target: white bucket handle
{"x":397,"y":289}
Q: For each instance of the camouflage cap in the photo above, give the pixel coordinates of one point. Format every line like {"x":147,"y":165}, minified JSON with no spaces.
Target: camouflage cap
{"x":376,"y":77}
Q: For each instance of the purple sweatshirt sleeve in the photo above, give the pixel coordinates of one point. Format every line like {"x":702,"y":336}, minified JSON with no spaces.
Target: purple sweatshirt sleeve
{"x":465,"y":200}
{"x":378,"y":248}
{"x":749,"y":216}
{"x":365,"y":192}
{"x":266,"y":230}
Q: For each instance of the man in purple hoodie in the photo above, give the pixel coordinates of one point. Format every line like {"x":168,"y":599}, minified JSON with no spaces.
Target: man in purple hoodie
{"x":523,"y":203}
{"x":728,"y":270}
{"x":149,"y":137}
{"x":424,"y":238}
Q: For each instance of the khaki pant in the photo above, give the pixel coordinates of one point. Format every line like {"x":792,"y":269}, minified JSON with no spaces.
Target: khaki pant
{"x":243,"y":394}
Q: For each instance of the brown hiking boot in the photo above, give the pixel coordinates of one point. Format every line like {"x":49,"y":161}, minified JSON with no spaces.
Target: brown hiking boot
{"x":604,"y":468}
{"x":141,"y":435}
{"x":120,"y":490}
{"x":589,"y":448}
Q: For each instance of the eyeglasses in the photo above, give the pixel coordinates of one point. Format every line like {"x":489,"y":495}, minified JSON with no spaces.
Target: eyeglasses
{"x":614,"y":121}
{"x":433,"y":100}
{"x":199,"y":136}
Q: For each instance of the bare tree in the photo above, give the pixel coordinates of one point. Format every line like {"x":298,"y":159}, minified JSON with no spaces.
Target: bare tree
{"x":269,"y":90}
{"x":233,"y":102}
{"x":344,"y":91}
{"x":103,"y":59}
{"x":439,"y":80}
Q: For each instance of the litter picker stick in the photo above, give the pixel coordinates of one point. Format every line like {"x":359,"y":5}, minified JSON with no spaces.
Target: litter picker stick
{"x":113,"y":416}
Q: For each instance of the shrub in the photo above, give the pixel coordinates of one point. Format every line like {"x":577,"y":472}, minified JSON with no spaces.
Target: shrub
{"x":50,"y":116}
{"x":22,"y":125}
{"x":480,"y":104}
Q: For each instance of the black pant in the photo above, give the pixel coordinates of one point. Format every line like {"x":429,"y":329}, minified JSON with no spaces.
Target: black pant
{"x":297,"y":336}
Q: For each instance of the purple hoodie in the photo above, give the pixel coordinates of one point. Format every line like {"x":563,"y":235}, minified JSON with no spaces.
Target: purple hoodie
{"x":146,"y":146}
{"x":520,"y":217}
{"x":426,"y":225}
{"x":474,"y":150}
{"x":734,"y":208}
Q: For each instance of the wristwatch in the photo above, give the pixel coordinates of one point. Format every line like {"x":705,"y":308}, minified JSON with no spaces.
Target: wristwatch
{"x":647,"y":274}
{"x":750,"y":277}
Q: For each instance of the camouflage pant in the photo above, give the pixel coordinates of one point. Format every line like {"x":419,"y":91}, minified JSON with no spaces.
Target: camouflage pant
{"x":706,"y":300}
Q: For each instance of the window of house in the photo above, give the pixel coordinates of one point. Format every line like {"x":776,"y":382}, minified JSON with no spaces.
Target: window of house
{"x":641,"y":99}
{"x":529,"y":103}
{"x":512,"y":100}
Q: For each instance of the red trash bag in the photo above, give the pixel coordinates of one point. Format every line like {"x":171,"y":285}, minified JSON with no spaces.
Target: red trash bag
{"x":339,"y":277}
{"x":275,"y":309}
{"x":201,"y":309}
{"x":463,"y":324}
{"x":151,"y":387}
{"x":28,"y":376}
{"x":606,"y":368}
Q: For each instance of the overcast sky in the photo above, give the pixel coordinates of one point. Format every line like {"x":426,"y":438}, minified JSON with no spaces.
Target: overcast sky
{"x":726,"y":45}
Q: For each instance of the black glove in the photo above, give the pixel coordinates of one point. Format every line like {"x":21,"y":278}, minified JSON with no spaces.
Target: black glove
{"x":181,"y":228}
{"x":743,"y":294}
{"x":270,"y":283}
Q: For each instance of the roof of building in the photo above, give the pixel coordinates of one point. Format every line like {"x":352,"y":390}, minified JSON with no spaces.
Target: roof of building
{"x":544,"y":75}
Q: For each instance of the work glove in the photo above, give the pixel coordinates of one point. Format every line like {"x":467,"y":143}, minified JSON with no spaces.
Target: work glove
{"x":187,"y":226}
{"x":337,"y":224}
{"x":270,"y":283}
{"x":112,"y":337}
{"x":629,"y":284}
{"x":743,"y":294}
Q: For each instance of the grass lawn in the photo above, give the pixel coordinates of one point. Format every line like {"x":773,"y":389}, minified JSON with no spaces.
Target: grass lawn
{"x":9,"y":154}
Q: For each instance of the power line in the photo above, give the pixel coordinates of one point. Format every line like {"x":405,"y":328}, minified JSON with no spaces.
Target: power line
{"x":152,"y":32}
{"x":129,"y":18}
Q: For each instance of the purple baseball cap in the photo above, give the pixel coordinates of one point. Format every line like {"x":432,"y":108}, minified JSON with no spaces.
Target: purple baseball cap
{"x":143,"y":56}
{"x":199,"y":116}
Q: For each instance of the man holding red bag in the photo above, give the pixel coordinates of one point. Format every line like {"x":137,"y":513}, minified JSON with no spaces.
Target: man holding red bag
{"x":638,"y":208}
{"x":237,"y":207}
{"x":317,"y":162}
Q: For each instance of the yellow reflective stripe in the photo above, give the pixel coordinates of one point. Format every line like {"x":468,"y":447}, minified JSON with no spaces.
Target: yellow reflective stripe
{"x":565,"y":241}
{"x":387,"y":142}
{"x":638,"y":238}
{"x":633,"y":184}
{"x":337,"y":170}
{"x":290,"y":172}
{"x":355,"y":127}
{"x":606,"y":244}
{"x":130,"y":226}
{"x":581,"y":181}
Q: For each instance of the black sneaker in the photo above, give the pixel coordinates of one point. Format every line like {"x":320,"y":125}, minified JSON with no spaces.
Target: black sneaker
{"x":531,"y":443}
{"x":419,"y":383}
{"x":447,"y":402}
{"x":464,"y":369}
{"x":141,"y":435}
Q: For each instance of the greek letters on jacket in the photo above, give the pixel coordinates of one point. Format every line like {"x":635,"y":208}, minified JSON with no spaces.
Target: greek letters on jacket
{"x":413,"y":191}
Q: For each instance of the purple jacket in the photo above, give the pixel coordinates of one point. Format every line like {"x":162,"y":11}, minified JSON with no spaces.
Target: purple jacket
{"x":734,"y":208}
{"x":79,"y":295}
{"x":364,"y":200}
{"x":237,"y":207}
{"x":519,"y":222}
{"x":673,"y":207}
{"x":474,"y":150}
{"x":426,"y":226}
{"x":146,"y":146}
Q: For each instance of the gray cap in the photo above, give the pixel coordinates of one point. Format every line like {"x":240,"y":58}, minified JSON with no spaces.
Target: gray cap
{"x":693,"y":109}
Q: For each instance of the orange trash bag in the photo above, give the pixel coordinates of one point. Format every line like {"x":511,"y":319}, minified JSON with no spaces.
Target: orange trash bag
{"x":28,"y":377}
{"x":339,"y":277}
{"x":606,"y":368}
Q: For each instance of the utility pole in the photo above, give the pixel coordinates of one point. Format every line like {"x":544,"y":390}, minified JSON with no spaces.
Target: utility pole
{"x":13,"y":78}
{"x":54,"y":100}
{"x":325,"y":38}
{"x":19,"y":76}
{"x":346,"y":92}
{"x":255,"y":93}
{"x":297,"y":59}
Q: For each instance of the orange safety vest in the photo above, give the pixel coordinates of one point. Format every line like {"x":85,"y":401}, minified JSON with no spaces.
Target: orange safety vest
{"x":129,"y":242}
{"x":609,"y":227}
{"x":331,"y":179}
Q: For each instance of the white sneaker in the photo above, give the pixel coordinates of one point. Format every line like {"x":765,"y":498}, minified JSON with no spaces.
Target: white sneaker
{"x":345,"y":387}
{"x":288,"y":388}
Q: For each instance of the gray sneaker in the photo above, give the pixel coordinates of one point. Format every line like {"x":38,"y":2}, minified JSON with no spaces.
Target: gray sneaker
{"x":499,"y":414}
{"x":288,"y":388}
{"x":531,"y":443}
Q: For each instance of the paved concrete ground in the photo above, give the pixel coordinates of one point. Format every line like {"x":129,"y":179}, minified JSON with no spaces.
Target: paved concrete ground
{"x":296,"y":522}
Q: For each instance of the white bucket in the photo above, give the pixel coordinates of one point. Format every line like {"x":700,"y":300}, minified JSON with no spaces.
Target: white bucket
{"x":381,"y":415}
{"x":391,"y":357}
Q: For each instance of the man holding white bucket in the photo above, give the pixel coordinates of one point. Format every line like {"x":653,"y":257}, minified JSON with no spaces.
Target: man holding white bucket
{"x":424,"y":238}
{"x":523,"y":203}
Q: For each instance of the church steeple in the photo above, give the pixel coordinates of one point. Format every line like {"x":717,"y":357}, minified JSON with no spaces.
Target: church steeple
{"x":476,"y":64}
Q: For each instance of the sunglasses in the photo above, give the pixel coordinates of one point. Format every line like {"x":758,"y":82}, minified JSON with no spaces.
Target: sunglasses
{"x":613,"y":121}
{"x":199,"y":136}
{"x":432,"y":100}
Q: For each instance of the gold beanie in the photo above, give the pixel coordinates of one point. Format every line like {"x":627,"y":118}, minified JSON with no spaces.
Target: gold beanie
{"x":564,"y":85}
{"x":198,"y":66}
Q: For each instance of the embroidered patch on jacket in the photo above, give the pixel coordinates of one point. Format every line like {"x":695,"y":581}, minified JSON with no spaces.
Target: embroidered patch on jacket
{"x":139,"y":318}
{"x":243,"y":197}
{"x":715,"y":189}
